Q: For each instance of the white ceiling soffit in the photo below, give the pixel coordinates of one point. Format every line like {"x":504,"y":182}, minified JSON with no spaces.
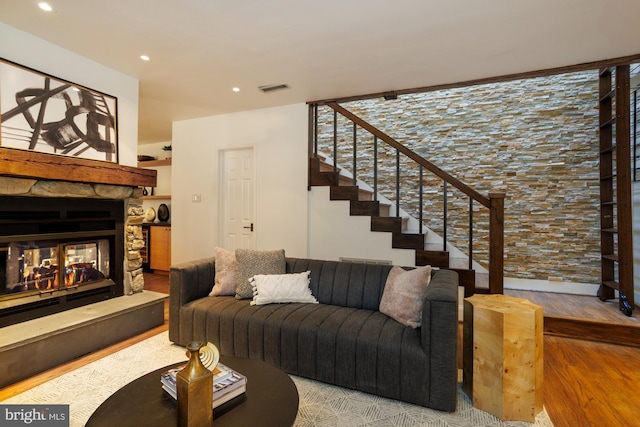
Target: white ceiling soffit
{"x":201,"y":49}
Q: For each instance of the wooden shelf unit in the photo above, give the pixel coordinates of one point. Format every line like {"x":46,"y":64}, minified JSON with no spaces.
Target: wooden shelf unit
{"x":152,"y":163}
{"x":156,"y":197}
{"x":615,"y":188}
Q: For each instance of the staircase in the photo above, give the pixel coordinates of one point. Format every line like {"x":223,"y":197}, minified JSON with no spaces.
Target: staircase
{"x":362,"y":203}
{"x":386,"y":217}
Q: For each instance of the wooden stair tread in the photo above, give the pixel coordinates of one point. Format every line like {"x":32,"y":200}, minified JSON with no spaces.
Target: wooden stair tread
{"x":611,"y":284}
{"x":433,"y":258}
{"x":364,"y":208}
{"x":407,"y":241}
{"x":389,"y":224}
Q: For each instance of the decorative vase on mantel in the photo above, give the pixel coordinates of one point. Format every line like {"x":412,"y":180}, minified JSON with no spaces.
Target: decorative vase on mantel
{"x":194,"y":385}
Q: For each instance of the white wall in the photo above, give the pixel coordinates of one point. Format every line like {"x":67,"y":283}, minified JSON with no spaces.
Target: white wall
{"x":27,"y":50}
{"x":333,"y":233}
{"x":305,"y":224}
{"x":279,"y":138}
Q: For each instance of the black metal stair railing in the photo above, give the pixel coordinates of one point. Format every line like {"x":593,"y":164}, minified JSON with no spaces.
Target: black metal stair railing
{"x":494,"y":202}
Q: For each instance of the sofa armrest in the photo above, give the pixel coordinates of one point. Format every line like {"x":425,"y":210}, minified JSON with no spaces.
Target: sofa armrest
{"x":188,"y":281}
{"x":439,"y":335}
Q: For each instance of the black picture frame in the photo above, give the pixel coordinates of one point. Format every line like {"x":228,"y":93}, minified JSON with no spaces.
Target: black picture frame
{"x":43,"y":113}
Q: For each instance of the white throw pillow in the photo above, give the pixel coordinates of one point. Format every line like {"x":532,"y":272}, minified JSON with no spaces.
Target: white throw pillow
{"x":281,"y":288}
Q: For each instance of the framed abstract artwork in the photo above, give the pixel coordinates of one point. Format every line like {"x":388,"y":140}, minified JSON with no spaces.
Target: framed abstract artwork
{"x":49,"y":115}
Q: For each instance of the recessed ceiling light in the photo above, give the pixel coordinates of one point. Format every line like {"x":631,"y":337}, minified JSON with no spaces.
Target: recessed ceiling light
{"x":144,"y":57}
{"x":45,"y":6}
{"x":236,"y":89}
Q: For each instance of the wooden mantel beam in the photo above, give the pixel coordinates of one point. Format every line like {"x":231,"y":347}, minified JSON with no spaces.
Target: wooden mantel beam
{"x":30,"y":164}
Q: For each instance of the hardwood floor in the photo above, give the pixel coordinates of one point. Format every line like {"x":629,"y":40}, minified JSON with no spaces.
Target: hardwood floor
{"x":581,"y":306}
{"x":159,"y":283}
{"x":586,"y":383}
{"x":589,"y":383}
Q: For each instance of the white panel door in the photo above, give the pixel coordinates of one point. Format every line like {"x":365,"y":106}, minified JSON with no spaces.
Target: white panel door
{"x":238,"y":199}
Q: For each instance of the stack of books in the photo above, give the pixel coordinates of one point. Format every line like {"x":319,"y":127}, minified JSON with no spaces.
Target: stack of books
{"x":227,"y":383}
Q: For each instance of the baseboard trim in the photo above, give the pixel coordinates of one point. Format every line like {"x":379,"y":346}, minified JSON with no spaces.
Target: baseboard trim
{"x":590,"y":330}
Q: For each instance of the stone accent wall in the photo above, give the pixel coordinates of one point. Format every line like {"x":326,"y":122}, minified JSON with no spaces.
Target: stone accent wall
{"x":134,"y":214}
{"x":535,"y":139}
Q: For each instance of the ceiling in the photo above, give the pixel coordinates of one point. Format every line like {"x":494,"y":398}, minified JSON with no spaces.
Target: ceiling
{"x":201,"y":49}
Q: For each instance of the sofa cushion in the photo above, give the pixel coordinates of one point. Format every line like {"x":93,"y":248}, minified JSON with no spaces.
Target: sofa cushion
{"x":281,"y":288}
{"x":226,"y":271}
{"x":251,"y":262}
{"x":404,"y":295}
{"x":346,"y":284}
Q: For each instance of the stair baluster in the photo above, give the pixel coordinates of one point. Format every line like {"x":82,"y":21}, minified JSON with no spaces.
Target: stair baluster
{"x":397,"y":184}
{"x":470,"y":233}
{"x":355,"y":154}
{"x":375,"y":168}
{"x":335,"y":141}
{"x":444,"y":218}
{"x":421,"y":204}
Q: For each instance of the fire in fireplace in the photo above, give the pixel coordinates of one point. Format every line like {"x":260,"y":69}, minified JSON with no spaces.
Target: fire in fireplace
{"x":57,"y":254}
{"x":33,"y":266}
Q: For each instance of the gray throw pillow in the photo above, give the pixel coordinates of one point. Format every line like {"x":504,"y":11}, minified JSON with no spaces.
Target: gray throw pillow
{"x":250,"y":262}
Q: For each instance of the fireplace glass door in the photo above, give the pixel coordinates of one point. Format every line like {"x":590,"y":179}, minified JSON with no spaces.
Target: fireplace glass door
{"x":43,"y":266}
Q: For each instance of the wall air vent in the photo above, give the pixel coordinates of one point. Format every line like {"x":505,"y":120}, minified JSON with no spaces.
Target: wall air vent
{"x":366,"y":261}
{"x":273,"y":88}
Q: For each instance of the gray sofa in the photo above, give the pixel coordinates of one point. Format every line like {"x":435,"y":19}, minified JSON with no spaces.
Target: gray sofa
{"x":343,"y":340}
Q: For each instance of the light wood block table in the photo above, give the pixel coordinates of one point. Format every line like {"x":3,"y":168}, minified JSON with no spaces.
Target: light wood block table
{"x":503,"y":356}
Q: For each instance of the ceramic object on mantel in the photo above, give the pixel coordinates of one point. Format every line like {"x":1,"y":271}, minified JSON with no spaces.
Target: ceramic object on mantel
{"x":150,"y":215}
{"x":163,"y":213}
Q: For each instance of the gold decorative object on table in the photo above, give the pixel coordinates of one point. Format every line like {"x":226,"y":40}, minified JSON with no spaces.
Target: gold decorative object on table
{"x":194,"y":385}
{"x":209,"y":355}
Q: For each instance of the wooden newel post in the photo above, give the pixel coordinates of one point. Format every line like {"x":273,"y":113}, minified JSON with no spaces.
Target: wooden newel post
{"x":496,"y":242}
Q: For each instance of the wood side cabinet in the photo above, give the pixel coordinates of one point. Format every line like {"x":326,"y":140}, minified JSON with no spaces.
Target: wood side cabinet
{"x":503,"y":356}
{"x":160,"y":253}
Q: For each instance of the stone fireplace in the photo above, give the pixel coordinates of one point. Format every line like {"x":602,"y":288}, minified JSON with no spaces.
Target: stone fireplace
{"x":81,"y":227}
{"x":67,"y":238}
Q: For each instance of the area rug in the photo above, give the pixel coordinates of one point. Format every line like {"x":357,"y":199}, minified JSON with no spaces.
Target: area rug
{"x":320,"y":404}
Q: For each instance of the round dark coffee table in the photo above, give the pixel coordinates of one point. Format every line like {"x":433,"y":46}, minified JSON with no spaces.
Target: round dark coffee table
{"x":271,"y":399}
